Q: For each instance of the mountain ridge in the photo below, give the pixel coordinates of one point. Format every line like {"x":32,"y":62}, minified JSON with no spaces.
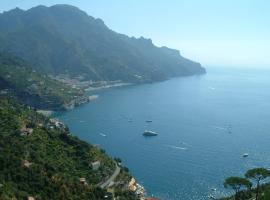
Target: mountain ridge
{"x":67,"y":40}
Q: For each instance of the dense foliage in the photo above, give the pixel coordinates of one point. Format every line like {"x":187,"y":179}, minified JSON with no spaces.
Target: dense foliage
{"x":237,"y":184}
{"x":64,"y":40}
{"x":48,"y":162}
{"x":243,"y":186}
{"x":21,"y":81}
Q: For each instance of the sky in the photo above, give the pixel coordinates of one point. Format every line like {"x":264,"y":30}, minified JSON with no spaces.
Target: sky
{"x":212,"y":32}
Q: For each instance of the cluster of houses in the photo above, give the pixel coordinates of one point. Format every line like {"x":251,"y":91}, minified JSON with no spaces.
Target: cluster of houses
{"x":139,"y":190}
{"x":75,"y":83}
{"x":136,"y":188}
{"x":55,"y":124}
{"x":52,"y":124}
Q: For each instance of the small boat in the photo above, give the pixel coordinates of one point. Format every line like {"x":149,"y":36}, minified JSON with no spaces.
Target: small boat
{"x":229,"y":128}
{"x":148,"y":121}
{"x":149,"y":133}
{"x":102,"y":134}
{"x":214,"y":189}
{"x":245,"y":155}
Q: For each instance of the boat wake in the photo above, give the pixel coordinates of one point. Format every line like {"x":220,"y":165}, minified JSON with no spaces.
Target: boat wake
{"x":176,"y":147}
{"x":226,"y":129}
{"x":102,"y":134}
{"x":219,"y":127}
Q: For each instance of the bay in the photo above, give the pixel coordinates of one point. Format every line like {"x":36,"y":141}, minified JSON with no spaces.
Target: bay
{"x":205,"y":125}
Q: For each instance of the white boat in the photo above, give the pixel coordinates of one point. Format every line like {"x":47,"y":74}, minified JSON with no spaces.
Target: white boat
{"x":245,"y":155}
{"x":150,"y":133}
{"x":102,"y":134}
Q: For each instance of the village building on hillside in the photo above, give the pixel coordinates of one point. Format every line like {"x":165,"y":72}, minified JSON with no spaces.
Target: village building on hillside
{"x":83,"y":181}
{"x":95,"y":165}
{"x":26,"y":131}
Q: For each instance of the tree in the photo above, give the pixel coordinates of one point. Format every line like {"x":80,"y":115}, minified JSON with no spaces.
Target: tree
{"x":236,"y":183}
{"x":257,"y":174}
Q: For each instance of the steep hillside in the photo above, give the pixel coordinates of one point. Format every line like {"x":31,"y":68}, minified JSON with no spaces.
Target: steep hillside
{"x":64,"y":40}
{"x":41,"y":159}
{"x":20,"y":81}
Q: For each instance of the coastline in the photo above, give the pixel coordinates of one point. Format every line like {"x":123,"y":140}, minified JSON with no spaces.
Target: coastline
{"x":115,"y":179}
{"x":47,"y":113}
{"x":135,"y":187}
{"x":132,"y":185}
{"x":89,"y":89}
{"x":83,"y":99}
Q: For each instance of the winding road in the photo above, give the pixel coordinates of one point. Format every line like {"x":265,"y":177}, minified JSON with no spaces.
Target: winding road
{"x":111,"y":178}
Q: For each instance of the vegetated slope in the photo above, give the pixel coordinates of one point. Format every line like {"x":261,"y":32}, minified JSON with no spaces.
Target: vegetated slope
{"x":65,"y":40}
{"x":41,"y":160}
{"x":19,"y":80}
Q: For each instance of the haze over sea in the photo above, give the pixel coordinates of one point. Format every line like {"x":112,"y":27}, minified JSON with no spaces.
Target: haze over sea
{"x":205,"y":125}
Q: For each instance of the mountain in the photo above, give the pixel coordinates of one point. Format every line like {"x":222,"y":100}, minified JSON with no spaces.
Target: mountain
{"x":62,"y":39}
{"x":19,"y":81}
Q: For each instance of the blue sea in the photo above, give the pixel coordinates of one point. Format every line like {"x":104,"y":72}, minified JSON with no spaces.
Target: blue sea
{"x":205,"y":124}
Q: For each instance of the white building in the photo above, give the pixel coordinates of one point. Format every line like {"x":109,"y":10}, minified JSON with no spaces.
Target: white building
{"x":95,"y":165}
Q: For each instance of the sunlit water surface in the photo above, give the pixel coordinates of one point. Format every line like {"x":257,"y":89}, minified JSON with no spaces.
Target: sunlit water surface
{"x":205,"y":125}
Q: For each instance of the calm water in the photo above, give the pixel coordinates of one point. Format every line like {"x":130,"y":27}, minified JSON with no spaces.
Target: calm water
{"x":195,"y":150}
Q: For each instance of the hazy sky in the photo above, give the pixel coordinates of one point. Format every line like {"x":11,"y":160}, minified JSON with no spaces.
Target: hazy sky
{"x":213,"y":32}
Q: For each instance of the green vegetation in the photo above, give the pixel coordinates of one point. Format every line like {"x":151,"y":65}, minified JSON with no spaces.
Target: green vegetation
{"x":261,"y":192}
{"x":237,"y":183}
{"x":20,"y":81}
{"x":39,"y":156}
{"x":257,"y":174}
{"x":62,"y":39}
{"x":48,"y":162}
